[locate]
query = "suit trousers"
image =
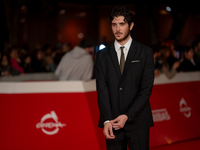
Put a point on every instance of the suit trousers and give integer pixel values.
(135, 139)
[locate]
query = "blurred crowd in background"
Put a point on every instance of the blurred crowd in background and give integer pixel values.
(168, 57)
(173, 27)
(20, 60)
(42, 59)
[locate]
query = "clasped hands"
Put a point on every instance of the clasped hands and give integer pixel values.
(117, 124)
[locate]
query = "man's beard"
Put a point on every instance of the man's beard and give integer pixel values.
(123, 38)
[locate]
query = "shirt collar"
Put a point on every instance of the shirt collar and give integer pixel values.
(127, 45)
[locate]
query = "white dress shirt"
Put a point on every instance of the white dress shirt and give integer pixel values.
(126, 48)
(118, 50)
(192, 61)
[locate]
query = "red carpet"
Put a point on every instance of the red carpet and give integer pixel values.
(184, 145)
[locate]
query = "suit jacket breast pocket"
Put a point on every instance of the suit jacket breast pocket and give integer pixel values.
(136, 65)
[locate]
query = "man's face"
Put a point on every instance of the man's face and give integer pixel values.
(120, 28)
(89, 49)
(189, 54)
(4, 61)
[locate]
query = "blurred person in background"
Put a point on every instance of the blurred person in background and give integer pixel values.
(27, 65)
(6, 69)
(65, 48)
(196, 49)
(15, 60)
(38, 62)
(23, 51)
(157, 60)
(50, 65)
(78, 63)
(57, 54)
(61, 49)
(169, 72)
(188, 63)
(174, 55)
(47, 49)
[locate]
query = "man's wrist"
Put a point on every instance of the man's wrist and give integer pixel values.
(106, 121)
(128, 119)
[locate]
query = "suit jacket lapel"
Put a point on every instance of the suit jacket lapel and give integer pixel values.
(131, 52)
(113, 55)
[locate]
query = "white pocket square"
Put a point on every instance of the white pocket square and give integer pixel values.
(135, 61)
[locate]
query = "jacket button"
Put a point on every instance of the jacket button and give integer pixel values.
(120, 89)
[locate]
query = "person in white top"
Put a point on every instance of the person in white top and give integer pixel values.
(78, 63)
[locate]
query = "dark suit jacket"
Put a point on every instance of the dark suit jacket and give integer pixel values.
(127, 93)
(187, 65)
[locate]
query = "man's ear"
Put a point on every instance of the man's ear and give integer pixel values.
(131, 26)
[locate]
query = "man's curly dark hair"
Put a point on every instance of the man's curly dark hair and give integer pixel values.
(121, 11)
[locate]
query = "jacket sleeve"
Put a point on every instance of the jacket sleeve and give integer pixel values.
(102, 92)
(145, 88)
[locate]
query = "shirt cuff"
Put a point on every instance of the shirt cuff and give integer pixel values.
(106, 121)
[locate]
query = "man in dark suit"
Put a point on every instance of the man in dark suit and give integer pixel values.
(188, 63)
(124, 77)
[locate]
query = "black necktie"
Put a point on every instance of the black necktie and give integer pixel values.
(122, 60)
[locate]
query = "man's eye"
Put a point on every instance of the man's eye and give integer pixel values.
(113, 24)
(122, 24)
